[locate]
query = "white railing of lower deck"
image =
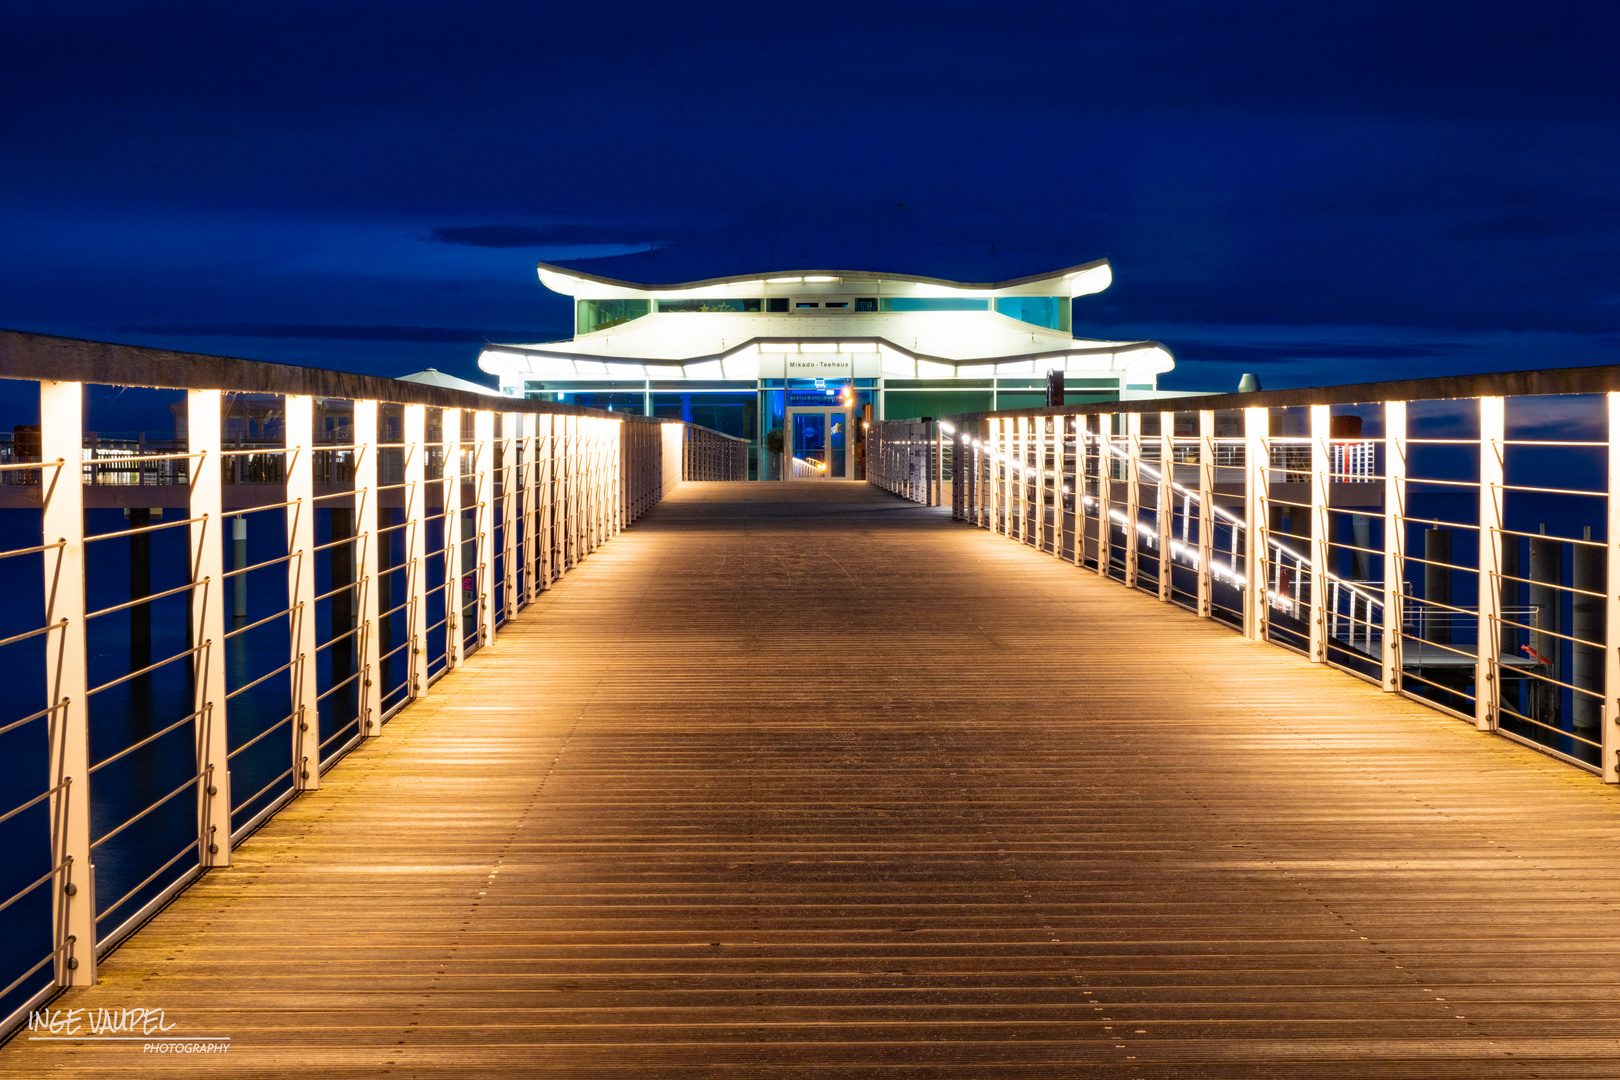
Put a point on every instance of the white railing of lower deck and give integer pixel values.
(407, 525)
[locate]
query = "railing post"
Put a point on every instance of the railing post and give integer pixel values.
(1167, 499)
(511, 440)
(207, 558)
(366, 503)
(484, 523)
(1394, 539)
(1206, 513)
(1321, 464)
(450, 478)
(1611, 627)
(1081, 439)
(415, 451)
(300, 516)
(545, 445)
(1257, 560)
(1105, 493)
(1487, 674)
(73, 894)
(1133, 493)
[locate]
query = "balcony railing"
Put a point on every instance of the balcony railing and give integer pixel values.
(290, 589)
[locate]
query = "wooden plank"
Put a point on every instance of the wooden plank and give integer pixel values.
(785, 780)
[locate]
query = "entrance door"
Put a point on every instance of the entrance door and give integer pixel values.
(820, 444)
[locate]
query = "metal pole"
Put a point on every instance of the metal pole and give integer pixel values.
(1257, 556)
(415, 450)
(450, 480)
(1167, 499)
(1133, 494)
(1610, 737)
(1105, 493)
(1206, 513)
(1394, 539)
(1321, 467)
(300, 517)
(484, 524)
(1487, 665)
(73, 898)
(367, 538)
(207, 559)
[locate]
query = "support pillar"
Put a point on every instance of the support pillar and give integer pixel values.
(1167, 500)
(1206, 513)
(1610, 736)
(450, 479)
(484, 524)
(1487, 665)
(1133, 495)
(415, 451)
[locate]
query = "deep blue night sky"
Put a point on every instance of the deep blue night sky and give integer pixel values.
(1319, 193)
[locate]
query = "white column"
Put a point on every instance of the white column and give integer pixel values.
(1167, 499)
(546, 505)
(73, 903)
(1611, 652)
(366, 503)
(1321, 463)
(1133, 493)
(207, 555)
(1394, 538)
(1487, 677)
(1206, 513)
(1105, 492)
(415, 451)
(450, 430)
(484, 524)
(528, 512)
(511, 424)
(300, 515)
(1256, 507)
(1080, 436)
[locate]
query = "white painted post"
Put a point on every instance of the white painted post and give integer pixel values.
(1133, 493)
(545, 441)
(1321, 464)
(1080, 451)
(1611, 628)
(1487, 674)
(1167, 499)
(1206, 513)
(207, 557)
(1256, 507)
(450, 430)
(300, 517)
(67, 686)
(484, 524)
(1105, 492)
(367, 538)
(511, 480)
(415, 451)
(1394, 539)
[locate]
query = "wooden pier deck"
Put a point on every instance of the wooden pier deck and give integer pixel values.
(806, 781)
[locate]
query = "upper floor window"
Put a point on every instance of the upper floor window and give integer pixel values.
(592, 315)
(721, 307)
(1052, 312)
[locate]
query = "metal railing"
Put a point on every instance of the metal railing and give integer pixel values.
(314, 583)
(1450, 540)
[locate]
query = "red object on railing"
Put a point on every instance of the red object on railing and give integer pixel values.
(1532, 654)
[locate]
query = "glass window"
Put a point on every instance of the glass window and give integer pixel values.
(904, 404)
(613, 402)
(806, 304)
(1052, 312)
(592, 315)
(866, 303)
(735, 413)
(709, 306)
(932, 303)
(776, 303)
